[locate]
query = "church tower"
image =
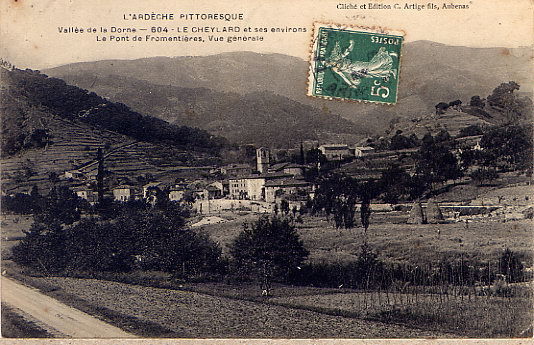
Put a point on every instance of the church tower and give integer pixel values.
(262, 160)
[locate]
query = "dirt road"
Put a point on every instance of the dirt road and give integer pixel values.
(58, 316)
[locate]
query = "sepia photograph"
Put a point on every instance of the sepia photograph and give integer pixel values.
(269, 170)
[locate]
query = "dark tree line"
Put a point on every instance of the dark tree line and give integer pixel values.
(369, 272)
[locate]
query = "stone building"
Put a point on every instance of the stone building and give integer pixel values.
(262, 160)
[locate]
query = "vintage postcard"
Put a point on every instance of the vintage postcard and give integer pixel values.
(260, 172)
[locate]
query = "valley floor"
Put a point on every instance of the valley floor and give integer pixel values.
(396, 241)
(157, 312)
(152, 304)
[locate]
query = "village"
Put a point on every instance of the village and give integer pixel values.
(240, 186)
(261, 186)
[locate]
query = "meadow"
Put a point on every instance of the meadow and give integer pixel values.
(396, 241)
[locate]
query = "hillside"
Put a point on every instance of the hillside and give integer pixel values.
(40, 137)
(452, 121)
(430, 73)
(262, 118)
(24, 92)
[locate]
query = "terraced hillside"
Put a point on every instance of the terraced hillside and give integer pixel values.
(135, 159)
(46, 131)
(71, 145)
(75, 146)
(372, 165)
(452, 121)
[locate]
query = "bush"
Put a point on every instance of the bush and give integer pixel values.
(43, 248)
(19, 203)
(470, 130)
(484, 175)
(267, 250)
(367, 272)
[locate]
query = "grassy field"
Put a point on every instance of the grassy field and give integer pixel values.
(157, 312)
(394, 240)
(224, 310)
(471, 317)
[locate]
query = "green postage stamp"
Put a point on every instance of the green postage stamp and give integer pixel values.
(355, 63)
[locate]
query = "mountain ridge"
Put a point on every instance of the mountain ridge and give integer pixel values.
(263, 118)
(430, 73)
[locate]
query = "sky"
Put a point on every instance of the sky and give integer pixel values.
(30, 37)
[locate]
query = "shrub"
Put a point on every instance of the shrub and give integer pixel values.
(43, 248)
(269, 249)
(367, 272)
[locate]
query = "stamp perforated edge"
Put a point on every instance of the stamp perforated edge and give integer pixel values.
(361, 28)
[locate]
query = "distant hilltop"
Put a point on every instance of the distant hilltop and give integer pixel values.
(430, 72)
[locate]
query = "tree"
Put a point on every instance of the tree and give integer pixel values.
(441, 107)
(367, 267)
(365, 215)
(337, 195)
(61, 206)
(267, 250)
(36, 199)
(367, 192)
(484, 175)
(470, 130)
(137, 237)
(284, 206)
(470, 157)
(38, 138)
(509, 147)
(417, 186)
(435, 163)
(53, 177)
(455, 104)
(428, 139)
(394, 182)
(415, 140)
(399, 141)
(515, 109)
(315, 156)
(100, 176)
(476, 101)
(511, 266)
(442, 136)
(502, 94)
(20, 203)
(42, 248)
